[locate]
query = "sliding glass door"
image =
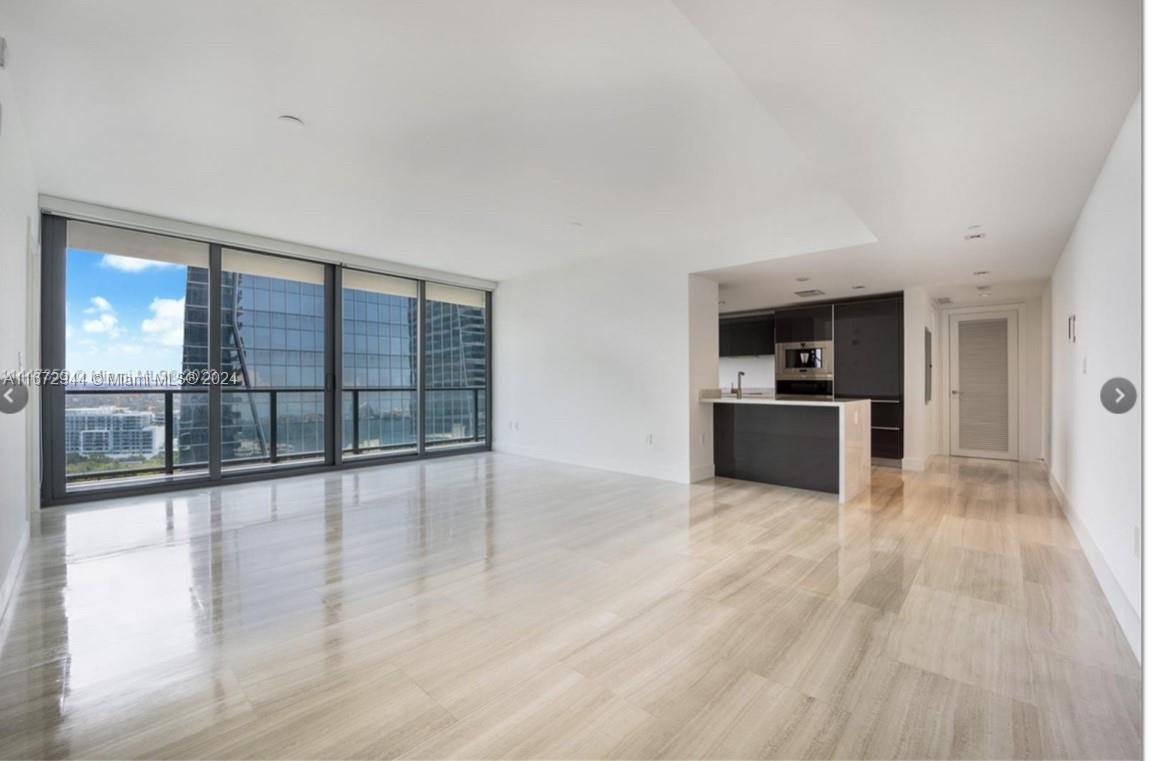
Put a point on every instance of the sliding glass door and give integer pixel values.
(188, 361)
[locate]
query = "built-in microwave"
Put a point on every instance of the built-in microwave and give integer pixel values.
(805, 360)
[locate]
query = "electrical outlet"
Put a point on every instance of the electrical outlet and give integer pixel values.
(650, 439)
(702, 439)
(1084, 365)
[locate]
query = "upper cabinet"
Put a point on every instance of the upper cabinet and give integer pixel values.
(806, 323)
(869, 348)
(746, 336)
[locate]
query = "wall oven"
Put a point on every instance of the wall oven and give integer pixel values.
(805, 360)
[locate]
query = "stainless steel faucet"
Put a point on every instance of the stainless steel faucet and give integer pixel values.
(738, 391)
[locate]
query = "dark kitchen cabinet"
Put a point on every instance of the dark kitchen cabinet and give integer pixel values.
(746, 336)
(811, 323)
(869, 363)
(869, 349)
(887, 444)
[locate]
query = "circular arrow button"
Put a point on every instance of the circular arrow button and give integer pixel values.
(1118, 395)
(13, 397)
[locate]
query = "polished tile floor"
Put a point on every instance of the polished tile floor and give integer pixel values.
(493, 606)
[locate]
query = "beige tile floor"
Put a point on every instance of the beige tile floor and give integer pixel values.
(493, 606)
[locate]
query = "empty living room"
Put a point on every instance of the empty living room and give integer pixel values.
(577, 379)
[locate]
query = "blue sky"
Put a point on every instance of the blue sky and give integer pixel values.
(124, 314)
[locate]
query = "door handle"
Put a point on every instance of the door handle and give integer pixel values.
(955, 392)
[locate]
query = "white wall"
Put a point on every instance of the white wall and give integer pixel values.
(591, 367)
(703, 373)
(1047, 372)
(19, 230)
(760, 372)
(1032, 347)
(1096, 456)
(916, 413)
(932, 411)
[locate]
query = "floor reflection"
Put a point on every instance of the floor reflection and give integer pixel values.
(415, 609)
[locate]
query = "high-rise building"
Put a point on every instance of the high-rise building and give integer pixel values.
(110, 431)
(379, 369)
(456, 367)
(193, 408)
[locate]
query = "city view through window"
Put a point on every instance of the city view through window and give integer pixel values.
(138, 306)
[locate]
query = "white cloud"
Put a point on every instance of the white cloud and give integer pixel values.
(101, 305)
(105, 322)
(104, 318)
(168, 321)
(131, 263)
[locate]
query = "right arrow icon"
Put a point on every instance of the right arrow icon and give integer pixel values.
(1118, 395)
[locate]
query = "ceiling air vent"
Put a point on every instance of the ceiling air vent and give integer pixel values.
(809, 294)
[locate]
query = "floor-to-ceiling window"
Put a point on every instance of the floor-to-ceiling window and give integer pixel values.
(380, 315)
(190, 361)
(273, 329)
(134, 318)
(456, 366)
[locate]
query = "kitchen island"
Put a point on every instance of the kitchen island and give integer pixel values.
(807, 443)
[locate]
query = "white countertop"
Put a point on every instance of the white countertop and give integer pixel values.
(709, 397)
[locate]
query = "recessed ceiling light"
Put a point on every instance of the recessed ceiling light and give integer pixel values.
(985, 294)
(978, 273)
(291, 120)
(858, 287)
(802, 279)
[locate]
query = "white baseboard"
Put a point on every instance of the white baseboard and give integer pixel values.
(914, 464)
(1124, 611)
(676, 475)
(8, 586)
(701, 472)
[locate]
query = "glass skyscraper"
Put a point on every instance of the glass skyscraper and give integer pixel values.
(456, 370)
(379, 368)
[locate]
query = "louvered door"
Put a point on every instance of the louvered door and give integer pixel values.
(984, 404)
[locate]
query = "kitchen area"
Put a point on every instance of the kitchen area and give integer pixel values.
(810, 395)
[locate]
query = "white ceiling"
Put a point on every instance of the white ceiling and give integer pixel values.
(470, 136)
(466, 136)
(929, 117)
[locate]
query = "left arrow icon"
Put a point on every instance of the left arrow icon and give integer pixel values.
(13, 398)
